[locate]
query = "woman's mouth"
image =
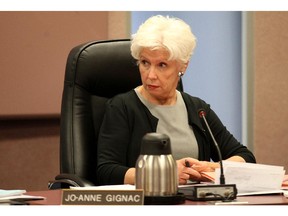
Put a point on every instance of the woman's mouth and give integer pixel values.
(152, 87)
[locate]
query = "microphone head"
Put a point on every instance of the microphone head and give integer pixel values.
(201, 113)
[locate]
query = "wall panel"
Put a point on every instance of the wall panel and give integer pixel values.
(34, 48)
(271, 87)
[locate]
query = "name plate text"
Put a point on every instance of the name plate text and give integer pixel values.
(102, 197)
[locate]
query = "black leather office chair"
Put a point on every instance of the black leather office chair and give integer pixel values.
(95, 72)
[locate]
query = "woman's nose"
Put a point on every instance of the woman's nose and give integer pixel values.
(152, 74)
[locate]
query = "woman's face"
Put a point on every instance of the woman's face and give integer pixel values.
(159, 76)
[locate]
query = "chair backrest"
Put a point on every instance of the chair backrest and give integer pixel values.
(95, 72)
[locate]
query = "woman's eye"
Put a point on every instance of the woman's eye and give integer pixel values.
(144, 62)
(163, 65)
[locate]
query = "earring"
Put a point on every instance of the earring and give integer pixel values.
(180, 74)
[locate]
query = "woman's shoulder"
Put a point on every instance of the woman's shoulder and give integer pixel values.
(197, 101)
(194, 104)
(125, 97)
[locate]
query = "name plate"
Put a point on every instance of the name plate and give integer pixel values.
(102, 197)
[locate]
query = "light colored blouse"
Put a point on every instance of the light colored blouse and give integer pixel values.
(173, 121)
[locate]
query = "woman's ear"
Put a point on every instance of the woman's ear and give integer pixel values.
(184, 67)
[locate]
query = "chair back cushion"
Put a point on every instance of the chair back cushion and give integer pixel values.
(95, 71)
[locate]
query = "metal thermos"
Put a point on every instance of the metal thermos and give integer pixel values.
(156, 169)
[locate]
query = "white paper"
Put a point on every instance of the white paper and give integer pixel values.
(250, 177)
(262, 192)
(6, 193)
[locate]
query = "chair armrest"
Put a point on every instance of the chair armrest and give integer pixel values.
(65, 180)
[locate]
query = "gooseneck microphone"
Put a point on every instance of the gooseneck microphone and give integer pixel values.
(210, 192)
(202, 115)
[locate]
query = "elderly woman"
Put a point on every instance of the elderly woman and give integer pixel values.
(162, 47)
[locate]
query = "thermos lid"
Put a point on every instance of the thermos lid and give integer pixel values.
(155, 144)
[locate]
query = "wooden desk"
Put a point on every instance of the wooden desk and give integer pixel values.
(53, 197)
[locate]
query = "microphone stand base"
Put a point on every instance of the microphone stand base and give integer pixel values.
(226, 192)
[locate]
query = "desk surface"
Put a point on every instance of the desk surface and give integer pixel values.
(53, 197)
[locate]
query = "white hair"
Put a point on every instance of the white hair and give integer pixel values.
(172, 34)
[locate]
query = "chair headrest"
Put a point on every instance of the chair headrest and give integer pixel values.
(106, 68)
